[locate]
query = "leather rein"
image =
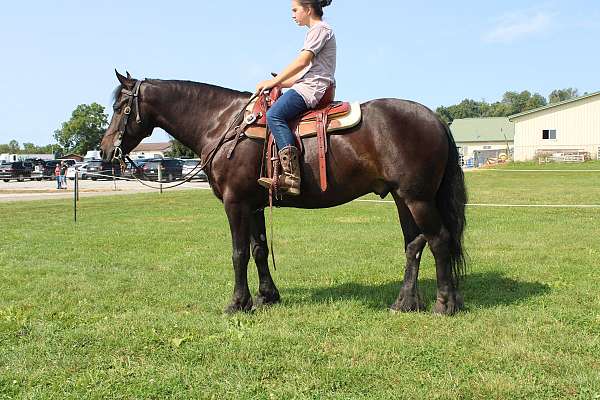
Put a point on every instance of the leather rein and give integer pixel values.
(132, 98)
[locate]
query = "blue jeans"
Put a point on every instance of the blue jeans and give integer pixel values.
(287, 108)
(58, 182)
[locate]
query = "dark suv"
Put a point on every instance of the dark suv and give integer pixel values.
(97, 169)
(171, 169)
(18, 170)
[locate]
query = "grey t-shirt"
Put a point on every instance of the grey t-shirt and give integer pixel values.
(320, 40)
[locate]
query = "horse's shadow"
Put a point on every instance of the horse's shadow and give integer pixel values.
(480, 290)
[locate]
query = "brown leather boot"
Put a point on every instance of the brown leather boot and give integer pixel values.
(289, 180)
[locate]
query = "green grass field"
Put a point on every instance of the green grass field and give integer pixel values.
(127, 303)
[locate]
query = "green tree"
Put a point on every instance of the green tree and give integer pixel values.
(30, 148)
(499, 109)
(84, 130)
(512, 103)
(50, 149)
(559, 95)
(465, 109)
(13, 147)
(179, 150)
(519, 102)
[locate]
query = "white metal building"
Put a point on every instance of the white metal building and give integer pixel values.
(568, 127)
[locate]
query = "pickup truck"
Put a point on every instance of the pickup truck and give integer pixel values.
(18, 170)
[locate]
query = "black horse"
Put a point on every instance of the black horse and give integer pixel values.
(400, 148)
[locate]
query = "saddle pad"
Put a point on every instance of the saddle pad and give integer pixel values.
(336, 124)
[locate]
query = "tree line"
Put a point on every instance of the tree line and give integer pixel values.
(511, 103)
(88, 122)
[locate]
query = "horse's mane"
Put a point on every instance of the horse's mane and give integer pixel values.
(190, 85)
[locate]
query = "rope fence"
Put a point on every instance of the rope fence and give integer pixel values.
(501, 205)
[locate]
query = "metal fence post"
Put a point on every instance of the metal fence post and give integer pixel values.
(75, 197)
(76, 186)
(160, 177)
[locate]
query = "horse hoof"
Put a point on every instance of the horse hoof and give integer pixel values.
(267, 300)
(236, 307)
(450, 306)
(408, 303)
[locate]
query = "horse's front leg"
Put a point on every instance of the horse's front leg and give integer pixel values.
(238, 215)
(267, 291)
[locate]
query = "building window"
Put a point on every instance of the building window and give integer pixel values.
(549, 134)
(487, 147)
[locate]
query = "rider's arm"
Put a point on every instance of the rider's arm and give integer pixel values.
(298, 65)
(288, 83)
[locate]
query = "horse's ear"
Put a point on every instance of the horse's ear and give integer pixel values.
(121, 78)
(128, 76)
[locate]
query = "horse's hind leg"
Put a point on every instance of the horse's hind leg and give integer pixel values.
(409, 298)
(428, 218)
(267, 292)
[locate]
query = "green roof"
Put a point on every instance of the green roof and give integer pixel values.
(496, 129)
(515, 116)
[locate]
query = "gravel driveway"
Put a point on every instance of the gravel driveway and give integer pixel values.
(44, 190)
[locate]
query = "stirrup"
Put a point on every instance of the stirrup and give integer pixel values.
(267, 183)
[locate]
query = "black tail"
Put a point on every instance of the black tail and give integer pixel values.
(451, 200)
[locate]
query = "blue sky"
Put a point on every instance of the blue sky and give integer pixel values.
(58, 54)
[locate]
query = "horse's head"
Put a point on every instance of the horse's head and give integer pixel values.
(127, 127)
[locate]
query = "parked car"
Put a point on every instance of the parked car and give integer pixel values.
(38, 171)
(190, 168)
(98, 169)
(134, 171)
(76, 169)
(171, 169)
(83, 170)
(18, 170)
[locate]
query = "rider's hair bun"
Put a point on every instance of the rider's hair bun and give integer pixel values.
(325, 3)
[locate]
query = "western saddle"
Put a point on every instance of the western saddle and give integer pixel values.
(327, 117)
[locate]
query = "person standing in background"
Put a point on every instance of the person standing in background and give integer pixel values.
(63, 175)
(57, 176)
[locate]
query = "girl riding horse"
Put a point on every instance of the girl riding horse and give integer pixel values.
(309, 76)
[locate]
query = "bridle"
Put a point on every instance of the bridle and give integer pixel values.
(132, 98)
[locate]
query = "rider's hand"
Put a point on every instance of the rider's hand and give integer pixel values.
(265, 85)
